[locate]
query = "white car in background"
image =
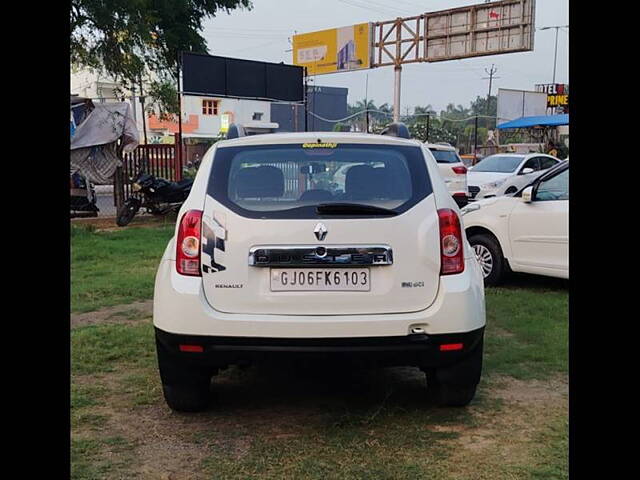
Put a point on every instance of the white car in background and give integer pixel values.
(452, 169)
(527, 232)
(506, 173)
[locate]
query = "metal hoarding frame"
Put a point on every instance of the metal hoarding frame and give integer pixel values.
(479, 22)
(521, 103)
(219, 76)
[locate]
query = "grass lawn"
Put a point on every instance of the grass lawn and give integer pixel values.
(115, 267)
(296, 421)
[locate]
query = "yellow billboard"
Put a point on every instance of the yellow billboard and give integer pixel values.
(334, 50)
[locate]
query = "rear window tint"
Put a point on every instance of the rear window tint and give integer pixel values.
(445, 156)
(283, 181)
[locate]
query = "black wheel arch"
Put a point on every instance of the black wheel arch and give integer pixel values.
(477, 230)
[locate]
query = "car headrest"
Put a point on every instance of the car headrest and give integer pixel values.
(316, 194)
(363, 181)
(259, 182)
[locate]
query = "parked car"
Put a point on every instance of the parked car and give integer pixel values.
(373, 269)
(453, 171)
(505, 173)
(527, 232)
(469, 159)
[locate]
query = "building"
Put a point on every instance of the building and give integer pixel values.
(206, 118)
(101, 88)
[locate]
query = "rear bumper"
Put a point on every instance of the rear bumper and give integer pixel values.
(418, 349)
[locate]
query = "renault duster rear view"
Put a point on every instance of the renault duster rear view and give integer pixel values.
(336, 246)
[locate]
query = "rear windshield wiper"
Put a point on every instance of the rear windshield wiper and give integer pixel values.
(352, 209)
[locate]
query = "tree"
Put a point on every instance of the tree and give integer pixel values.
(480, 107)
(130, 40)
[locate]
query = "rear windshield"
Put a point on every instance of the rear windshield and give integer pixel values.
(445, 156)
(290, 181)
(498, 163)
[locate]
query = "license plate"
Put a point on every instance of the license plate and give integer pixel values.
(320, 279)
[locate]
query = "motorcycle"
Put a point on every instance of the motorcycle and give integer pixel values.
(82, 197)
(159, 197)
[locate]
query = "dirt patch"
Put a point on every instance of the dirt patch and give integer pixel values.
(108, 224)
(506, 436)
(123, 314)
(531, 392)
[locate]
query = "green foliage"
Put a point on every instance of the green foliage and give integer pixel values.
(537, 320)
(133, 39)
(455, 124)
(106, 348)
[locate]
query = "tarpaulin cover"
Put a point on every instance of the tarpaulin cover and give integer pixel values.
(537, 121)
(94, 150)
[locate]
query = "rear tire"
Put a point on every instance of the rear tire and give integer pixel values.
(127, 212)
(186, 387)
(444, 395)
(187, 397)
(489, 255)
(455, 385)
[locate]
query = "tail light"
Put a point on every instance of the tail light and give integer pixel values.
(188, 244)
(451, 243)
(459, 170)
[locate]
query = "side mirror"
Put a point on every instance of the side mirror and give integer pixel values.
(527, 194)
(527, 170)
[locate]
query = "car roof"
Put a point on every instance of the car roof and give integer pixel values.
(439, 146)
(508, 155)
(316, 137)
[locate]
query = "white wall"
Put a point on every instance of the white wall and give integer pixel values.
(209, 125)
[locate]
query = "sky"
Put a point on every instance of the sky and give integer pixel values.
(264, 33)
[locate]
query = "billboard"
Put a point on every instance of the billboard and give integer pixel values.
(514, 104)
(486, 29)
(334, 50)
(557, 95)
(215, 76)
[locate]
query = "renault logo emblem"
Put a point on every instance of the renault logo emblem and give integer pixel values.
(320, 231)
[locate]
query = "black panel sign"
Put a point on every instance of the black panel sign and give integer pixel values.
(231, 77)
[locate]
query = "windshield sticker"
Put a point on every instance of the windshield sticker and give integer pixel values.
(319, 145)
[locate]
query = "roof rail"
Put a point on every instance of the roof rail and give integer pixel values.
(235, 131)
(396, 129)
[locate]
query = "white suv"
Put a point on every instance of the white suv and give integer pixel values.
(274, 256)
(453, 171)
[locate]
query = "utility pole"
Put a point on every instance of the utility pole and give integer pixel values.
(427, 138)
(396, 91)
(555, 55)
(306, 100)
(366, 101)
(179, 142)
(491, 74)
(133, 102)
(475, 139)
(144, 114)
